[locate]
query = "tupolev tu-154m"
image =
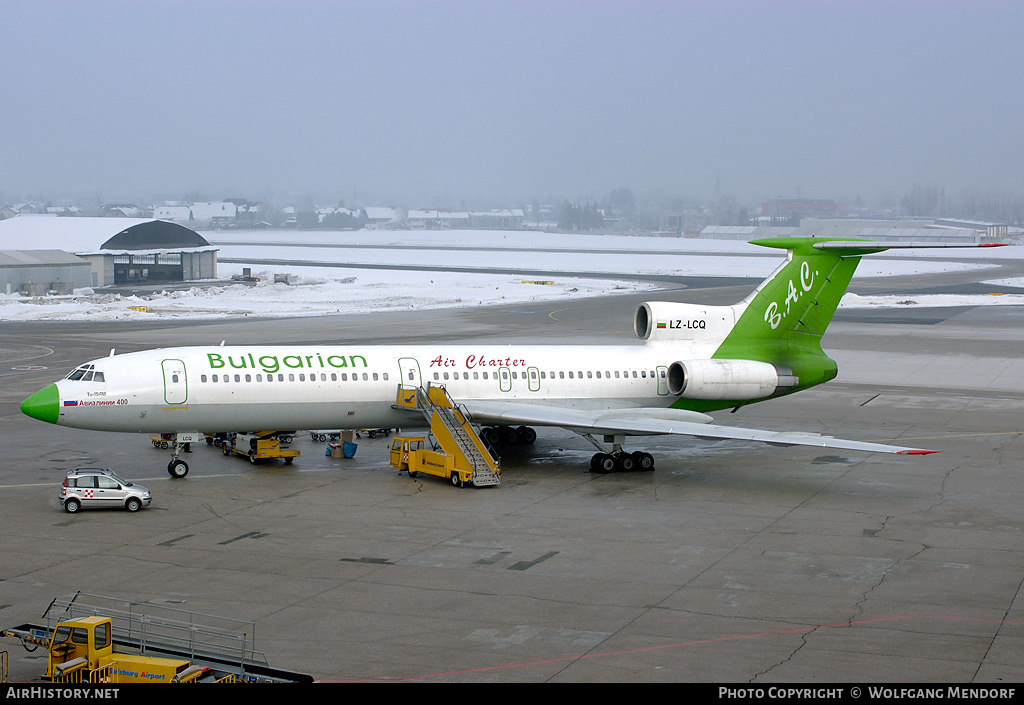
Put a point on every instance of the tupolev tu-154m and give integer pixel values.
(696, 359)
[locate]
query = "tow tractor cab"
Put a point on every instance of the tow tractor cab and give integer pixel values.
(85, 647)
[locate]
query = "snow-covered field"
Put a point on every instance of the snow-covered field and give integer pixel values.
(322, 290)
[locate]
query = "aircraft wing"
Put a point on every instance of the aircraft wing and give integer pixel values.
(655, 421)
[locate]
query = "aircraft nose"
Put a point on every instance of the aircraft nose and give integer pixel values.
(43, 405)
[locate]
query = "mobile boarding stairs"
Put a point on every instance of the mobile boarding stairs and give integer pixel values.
(454, 430)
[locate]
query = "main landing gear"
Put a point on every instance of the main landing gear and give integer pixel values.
(618, 460)
(621, 462)
(506, 435)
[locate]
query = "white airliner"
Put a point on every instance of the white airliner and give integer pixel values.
(696, 359)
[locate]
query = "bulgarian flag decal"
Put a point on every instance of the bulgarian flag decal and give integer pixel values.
(661, 324)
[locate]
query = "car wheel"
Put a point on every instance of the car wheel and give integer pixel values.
(72, 506)
(133, 505)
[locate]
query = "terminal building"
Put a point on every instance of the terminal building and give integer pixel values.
(117, 251)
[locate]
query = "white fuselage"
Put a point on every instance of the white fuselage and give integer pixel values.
(336, 387)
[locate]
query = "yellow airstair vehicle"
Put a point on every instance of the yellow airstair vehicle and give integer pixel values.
(460, 455)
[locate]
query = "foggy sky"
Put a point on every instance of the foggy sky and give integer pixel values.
(438, 103)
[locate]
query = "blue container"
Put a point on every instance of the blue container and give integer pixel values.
(349, 449)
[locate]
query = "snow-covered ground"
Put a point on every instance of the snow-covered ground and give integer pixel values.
(322, 290)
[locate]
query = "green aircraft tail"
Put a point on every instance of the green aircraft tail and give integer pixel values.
(783, 320)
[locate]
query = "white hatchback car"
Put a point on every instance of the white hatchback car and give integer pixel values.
(95, 487)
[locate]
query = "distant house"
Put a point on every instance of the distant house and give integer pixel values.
(215, 213)
(438, 220)
(379, 218)
(176, 214)
(121, 210)
(63, 210)
(504, 219)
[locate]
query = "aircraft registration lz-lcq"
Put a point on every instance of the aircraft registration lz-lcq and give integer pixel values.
(696, 359)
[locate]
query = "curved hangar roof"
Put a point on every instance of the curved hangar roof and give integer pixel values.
(91, 235)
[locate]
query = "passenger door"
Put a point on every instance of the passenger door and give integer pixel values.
(175, 384)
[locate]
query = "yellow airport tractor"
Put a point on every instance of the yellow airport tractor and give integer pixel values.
(95, 639)
(82, 651)
(262, 445)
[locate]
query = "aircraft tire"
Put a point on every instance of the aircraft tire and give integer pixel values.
(627, 463)
(177, 469)
(526, 435)
(644, 461)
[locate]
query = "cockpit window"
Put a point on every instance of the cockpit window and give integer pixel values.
(85, 373)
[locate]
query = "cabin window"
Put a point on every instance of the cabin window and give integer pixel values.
(238, 378)
(101, 635)
(485, 375)
(174, 378)
(374, 376)
(365, 377)
(643, 373)
(202, 378)
(302, 378)
(616, 374)
(88, 376)
(437, 376)
(270, 378)
(590, 375)
(248, 378)
(215, 378)
(476, 375)
(334, 376)
(98, 377)
(663, 374)
(412, 376)
(570, 375)
(446, 375)
(323, 377)
(226, 379)
(259, 378)
(561, 375)
(385, 376)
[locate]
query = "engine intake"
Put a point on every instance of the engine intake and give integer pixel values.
(734, 380)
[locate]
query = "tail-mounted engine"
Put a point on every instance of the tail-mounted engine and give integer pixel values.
(734, 380)
(665, 320)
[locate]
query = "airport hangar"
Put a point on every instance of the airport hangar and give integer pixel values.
(72, 252)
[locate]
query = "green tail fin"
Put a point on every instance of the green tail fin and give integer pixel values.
(783, 320)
